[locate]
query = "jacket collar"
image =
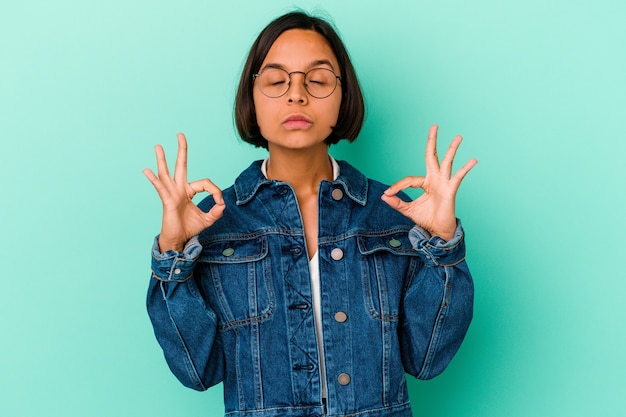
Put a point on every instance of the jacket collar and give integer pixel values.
(250, 181)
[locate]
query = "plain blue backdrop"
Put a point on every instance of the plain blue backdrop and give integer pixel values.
(537, 89)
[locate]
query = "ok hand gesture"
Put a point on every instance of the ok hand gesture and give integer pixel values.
(433, 210)
(182, 219)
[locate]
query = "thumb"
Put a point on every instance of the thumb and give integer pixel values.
(395, 203)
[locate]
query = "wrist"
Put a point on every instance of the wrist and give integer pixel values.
(166, 245)
(445, 235)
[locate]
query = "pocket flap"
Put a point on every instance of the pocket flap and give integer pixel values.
(396, 243)
(234, 250)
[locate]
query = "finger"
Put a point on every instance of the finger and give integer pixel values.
(207, 186)
(162, 170)
(403, 184)
(215, 213)
(448, 158)
(462, 172)
(432, 160)
(217, 196)
(150, 175)
(158, 185)
(180, 171)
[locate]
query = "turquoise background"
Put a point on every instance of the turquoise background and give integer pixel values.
(537, 88)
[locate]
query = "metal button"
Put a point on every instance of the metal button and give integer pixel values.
(177, 271)
(344, 379)
(337, 194)
(340, 317)
(228, 252)
(336, 254)
(395, 243)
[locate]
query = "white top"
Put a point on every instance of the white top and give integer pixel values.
(314, 268)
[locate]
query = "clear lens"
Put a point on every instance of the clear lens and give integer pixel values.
(273, 82)
(319, 82)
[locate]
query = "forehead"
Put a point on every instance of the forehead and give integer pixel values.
(298, 49)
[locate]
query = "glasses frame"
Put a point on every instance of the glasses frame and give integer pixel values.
(337, 79)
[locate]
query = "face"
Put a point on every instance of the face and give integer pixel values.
(297, 120)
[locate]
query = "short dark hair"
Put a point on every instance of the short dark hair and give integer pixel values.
(352, 108)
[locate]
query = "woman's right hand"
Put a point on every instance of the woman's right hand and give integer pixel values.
(182, 219)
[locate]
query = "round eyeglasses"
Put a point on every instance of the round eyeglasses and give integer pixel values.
(275, 82)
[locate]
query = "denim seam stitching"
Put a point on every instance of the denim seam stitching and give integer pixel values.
(437, 330)
(189, 366)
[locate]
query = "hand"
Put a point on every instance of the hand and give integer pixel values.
(433, 210)
(182, 219)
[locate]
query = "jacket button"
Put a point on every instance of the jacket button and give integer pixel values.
(228, 252)
(395, 243)
(341, 317)
(336, 254)
(344, 379)
(337, 194)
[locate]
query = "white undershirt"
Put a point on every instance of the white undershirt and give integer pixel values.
(314, 269)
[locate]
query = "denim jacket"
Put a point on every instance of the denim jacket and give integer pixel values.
(236, 305)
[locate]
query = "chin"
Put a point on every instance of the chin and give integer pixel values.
(298, 140)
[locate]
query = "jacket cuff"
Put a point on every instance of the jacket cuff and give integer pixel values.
(436, 251)
(172, 265)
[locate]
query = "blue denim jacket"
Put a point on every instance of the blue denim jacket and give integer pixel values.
(236, 305)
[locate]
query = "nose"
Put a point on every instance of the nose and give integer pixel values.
(297, 92)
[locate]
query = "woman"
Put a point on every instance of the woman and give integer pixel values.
(305, 287)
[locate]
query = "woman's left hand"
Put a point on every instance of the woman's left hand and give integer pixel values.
(433, 210)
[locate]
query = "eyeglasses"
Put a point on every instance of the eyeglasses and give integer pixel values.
(275, 82)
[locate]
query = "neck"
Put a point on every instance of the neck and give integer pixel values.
(303, 170)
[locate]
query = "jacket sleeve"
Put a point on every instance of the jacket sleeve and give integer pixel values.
(437, 305)
(185, 327)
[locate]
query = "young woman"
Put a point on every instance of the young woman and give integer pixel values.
(306, 288)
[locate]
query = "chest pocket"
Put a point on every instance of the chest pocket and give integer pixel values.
(386, 262)
(236, 280)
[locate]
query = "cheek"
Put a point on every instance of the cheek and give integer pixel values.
(262, 111)
(336, 107)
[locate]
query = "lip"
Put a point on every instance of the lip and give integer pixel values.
(297, 121)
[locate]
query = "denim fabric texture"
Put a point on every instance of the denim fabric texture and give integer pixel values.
(236, 305)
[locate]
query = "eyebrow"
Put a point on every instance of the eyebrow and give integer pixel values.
(313, 64)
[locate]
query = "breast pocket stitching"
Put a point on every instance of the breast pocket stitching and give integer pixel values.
(240, 280)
